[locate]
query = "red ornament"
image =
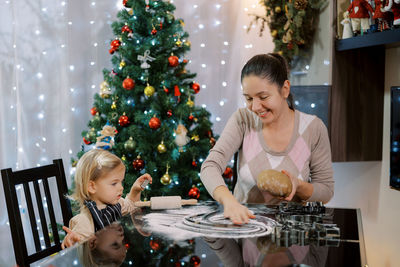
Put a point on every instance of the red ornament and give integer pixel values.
(290, 46)
(123, 120)
(93, 111)
(212, 141)
(111, 51)
(125, 3)
(115, 44)
(191, 117)
(166, 90)
(127, 245)
(177, 91)
(87, 142)
(173, 61)
(128, 84)
(196, 87)
(154, 123)
(185, 61)
(169, 113)
(227, 173)
(138, 164)
(194, 164)
(195, 261)
(194, 192)
(154, 244)
(153, 31)
(125, 28)
(160, 25)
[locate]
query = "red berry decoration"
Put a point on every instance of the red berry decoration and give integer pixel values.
(194, 163)
(125, 28)
(154, 244)
(138, 164)
(87, 142)
(123, 120)
(173, 61)
(191, 117)
(196, 87)
(154, 123)
(115, 44)
(195, 261)
(128, 84)
(93, 111)
(169, 113)
(194, 192)
(228, 173)
(153, 31)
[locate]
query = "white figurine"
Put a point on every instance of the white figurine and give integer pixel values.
(347, 32)
(181, 138)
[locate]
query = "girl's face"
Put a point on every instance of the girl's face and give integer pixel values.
(107, 189)
(264, 99)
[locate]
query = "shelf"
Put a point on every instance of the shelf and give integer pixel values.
(388, 38)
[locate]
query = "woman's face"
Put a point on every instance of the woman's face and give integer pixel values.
(264, 98)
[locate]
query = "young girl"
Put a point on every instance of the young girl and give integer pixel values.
(98, 189)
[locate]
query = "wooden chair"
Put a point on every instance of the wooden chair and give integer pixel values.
(21, 180)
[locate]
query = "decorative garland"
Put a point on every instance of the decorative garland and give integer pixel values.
(292, 24)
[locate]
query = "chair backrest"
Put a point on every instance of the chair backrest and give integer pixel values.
(38, 178)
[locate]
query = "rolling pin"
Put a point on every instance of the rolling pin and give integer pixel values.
(167, 202)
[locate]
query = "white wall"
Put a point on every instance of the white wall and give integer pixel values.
(365, 185)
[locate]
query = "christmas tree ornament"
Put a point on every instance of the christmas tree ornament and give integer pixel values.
(181, 138)
(154, 244)
(126, 3)
(87, 142)
(123, 120)
(185, 61)
(195, 87)
(130, 144)
(278, 9)
(166, 90)
(274, 33)
(115, 44)
(212, 142)
(154, 123)
(161, 147)
(194, 163)
(126, 28)
(190, 103)
(177, 91)
(161, 25)
(138, 164)
(228, 173)
(130, 12)
(182, 23)
(173, 61)
(105, 90)
(149, 90)
(153, 31)
(194, 192)
(195, 261)
(290, 46)
(93, 111)
(106, 139)
(123, 158)
(187, 43)
(146, 57)
(166, 178)
(122, 64)
(195, 138)
(91, 135)
(178, 43)
(191, 117)
(169, 113)
(128, 83)
(113, 105)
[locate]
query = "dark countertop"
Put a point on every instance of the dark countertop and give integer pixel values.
(199, 235)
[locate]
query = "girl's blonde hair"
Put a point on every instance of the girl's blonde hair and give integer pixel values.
(90, 167)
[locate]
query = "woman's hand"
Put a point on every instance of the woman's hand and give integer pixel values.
(295, 183)
(70, 239)
(300, 188)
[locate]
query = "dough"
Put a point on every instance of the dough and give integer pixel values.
(277, 183)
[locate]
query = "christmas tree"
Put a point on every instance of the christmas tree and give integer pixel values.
(145, 111)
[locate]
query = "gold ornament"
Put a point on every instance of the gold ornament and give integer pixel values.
(74, 163)
(166, 179)
(162, 148)
(182, 23)
(278, 9)
(195, 138)
(280, 52)
(187, 43)
(130, 12)
(130, 144)
(274, 33)
(178, 43)
(190, 103)
(122, 64)
(113, 105)
(105, 90)
(123, 158)
(300, 4)
(149, 90)
(105, 85)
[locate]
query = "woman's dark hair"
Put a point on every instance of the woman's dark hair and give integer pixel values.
(272, 67)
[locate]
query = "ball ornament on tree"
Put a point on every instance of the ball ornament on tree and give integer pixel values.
(114, 105)
(166, 90)
(87, 142)
(195, 261)
(123, 120)
(130, 144)
(278, 9)
(115, 44)
(187, 43)
(196, 87)
(125, 28)
(149, 90)
(128, 84)
(154, 123)
(194, 192)
(191, 117)
(126, 3)
(228, 173)
(274, 33)
(190, 103)
(93, 111)
(122, 64)
(161, 147)
(153, 31)
(173, 61)
(105, 90)
(169, 113)
(154, 244)
(166, 178)
(194, 163)
(138, 164)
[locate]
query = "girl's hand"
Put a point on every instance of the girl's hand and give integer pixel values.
(295, 184)
(137, 186)
(238, 213)
(70, 239)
